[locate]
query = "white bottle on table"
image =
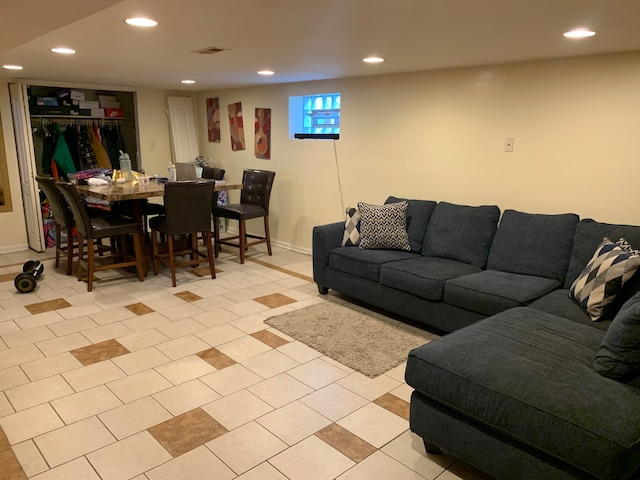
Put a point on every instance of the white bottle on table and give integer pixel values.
(171, 172)
(125, 166)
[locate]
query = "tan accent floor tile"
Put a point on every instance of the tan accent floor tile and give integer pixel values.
(99, 352)
(7, 277)
(394, 404)
(47, 306)
(139, 308)
(203, 271)
(188, 296)
(271, 339)
(275, 300)
(345, 442)
(187, 431)
(4, 443)
(281, 269)
(215, 357)
(11, 469)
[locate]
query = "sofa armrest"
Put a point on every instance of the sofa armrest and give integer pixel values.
(325, 239)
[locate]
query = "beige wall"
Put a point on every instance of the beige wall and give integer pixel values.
(440, 135)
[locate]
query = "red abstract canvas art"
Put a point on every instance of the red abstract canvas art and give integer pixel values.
(213, 119)
(236, 126)
(263, 133)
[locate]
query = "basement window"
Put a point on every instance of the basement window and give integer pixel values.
(315, 116)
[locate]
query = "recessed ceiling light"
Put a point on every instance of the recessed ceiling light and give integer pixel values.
(12, 67)
(188, 81)
(373, 60)
(63, 50)
(265, 72)
(141, 22)
(579, 33)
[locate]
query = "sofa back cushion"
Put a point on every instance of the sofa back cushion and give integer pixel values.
(460, 232)
(589, 234)
(533, 244)
(418, 215)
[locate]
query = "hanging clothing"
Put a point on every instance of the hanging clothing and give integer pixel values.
(86, 149)
(61, 154)
(71, 137)
(102, 158)
(116, 143)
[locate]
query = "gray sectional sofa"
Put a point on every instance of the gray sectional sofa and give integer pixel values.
(514, 392)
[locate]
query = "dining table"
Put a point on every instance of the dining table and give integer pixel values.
(137, 194)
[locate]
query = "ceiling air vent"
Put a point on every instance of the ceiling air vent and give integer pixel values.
(210, 50)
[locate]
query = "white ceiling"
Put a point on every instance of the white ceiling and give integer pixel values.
(299, 39)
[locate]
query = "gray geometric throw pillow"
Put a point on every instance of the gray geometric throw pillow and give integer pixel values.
(384, 226)
(351, 236)
(602, 279)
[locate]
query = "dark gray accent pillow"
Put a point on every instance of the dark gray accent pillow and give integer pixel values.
(461, 232)
(418, 215)
(533, 244)
(618, 357)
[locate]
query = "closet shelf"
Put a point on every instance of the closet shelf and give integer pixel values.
(79, 117)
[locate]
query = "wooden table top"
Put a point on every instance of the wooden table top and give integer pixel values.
(116, 192)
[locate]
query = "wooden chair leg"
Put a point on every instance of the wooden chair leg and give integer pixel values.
(90, 265)
(212, 267)
(154, 247)
(138, 246)
(267, 234)
(172, 260)
(58, 244)
(80, 255)
(216, 235)
(242, 240)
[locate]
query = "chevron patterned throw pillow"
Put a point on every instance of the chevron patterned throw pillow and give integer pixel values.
(384, 226)
(602, 279)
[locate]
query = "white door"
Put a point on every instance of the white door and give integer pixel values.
(27, 166)
(184, 140)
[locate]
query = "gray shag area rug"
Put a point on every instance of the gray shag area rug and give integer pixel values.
(365, 341)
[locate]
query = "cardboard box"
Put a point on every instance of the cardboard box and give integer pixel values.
(49, 101)
(49, 110)
(88, 104)
(107, 98)
(109, 104)
(73, 94)
(97, 112)
(113, 113)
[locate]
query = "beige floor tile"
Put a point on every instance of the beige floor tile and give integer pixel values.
(17, 356)
(107, 332)
(237, 409)
(317, 373)
(404, 392)
(185, 369)
(134, 417)
(198, 464)
(35, 393)
(144, 339)
(79, 310)
(311, 459)
(299, 351)
(63, 344)
(21, 426)
(25, 337)
(270, 363)
(231, 379)
(251, 324)
(232, 449)
(70, 442)
(279, 390)
(12, 377)
(243, 348)
(85, 404)
(186, 396)
(187, 431)
(74, 325)
(183, 347)
(334, 401)
(79, 468)
(50, 366)
(369, 388)
(214, 314)
(220, 334)
(30, 458)
(9, 326)
(249, 307)
(5, 406)
(93, 375)
(180, 328)
(139, 385)
(293, 422)
(380, 467)
(264, 471)
(144, 322)
(374, 424)
(129, 457)
(141, 360)
(408, 449)
(180, 311)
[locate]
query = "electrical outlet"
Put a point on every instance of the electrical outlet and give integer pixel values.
(508, 144)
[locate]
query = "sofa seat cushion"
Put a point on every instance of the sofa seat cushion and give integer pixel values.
(528, 374)
(424, 276)
(461, 232)
(533, 244)
(559, 303)
(490, 292)
(364, 263)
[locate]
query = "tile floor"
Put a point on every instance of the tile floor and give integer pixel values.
(147, 382)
